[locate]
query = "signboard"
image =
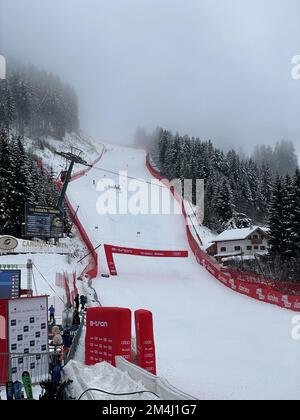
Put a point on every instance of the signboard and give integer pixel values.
(10, 284)
(3, 343)
(8, 243)
(108, 334)
(11, 245)
(110, 250)
(43, 222)
(145, 340)
(28, 335)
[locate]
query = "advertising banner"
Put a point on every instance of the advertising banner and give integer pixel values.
(111, 249)
(108, 334)
(28, 335)
(145, 340)
(10, 245)
(43, 222)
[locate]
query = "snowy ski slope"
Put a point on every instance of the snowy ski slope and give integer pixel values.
(211, 342)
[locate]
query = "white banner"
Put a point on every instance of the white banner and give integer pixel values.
(11, 245)
(28, 336)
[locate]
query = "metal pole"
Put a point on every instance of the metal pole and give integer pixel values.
(60, 201)
(29, 275)
(74, 218)
(83, 258)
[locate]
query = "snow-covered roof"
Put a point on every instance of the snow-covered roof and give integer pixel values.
(237, 234)
(229, 254)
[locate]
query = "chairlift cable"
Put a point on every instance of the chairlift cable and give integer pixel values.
(53, 290)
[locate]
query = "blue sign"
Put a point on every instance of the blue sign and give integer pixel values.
(10, 284)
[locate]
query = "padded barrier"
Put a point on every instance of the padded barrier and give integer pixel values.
(145, 345)
(159, 386)
(108, 334)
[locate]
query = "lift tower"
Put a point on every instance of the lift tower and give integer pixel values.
(73, 157)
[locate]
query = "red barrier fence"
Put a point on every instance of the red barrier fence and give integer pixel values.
(79, 174)
(92, 269)
(108, 334)
(59, 280)
(67, 289)
(110, 250)
(284, 287)
(76, 293)
(62, 280)
(249, 284)
(145, 344)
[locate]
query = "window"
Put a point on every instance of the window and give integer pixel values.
(262, 248)
(256, 248)
(237, 248)
(255, 237)
(223, 249)
(249, 248)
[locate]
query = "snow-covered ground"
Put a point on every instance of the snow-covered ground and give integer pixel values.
(44, 150)
(44, 273)
(103, 377)
(211, 342)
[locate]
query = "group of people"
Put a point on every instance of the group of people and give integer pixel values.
(78, 301)
(64, 338)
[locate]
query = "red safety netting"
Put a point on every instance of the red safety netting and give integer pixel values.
(92, 268)
(85, 171)
(249, 284)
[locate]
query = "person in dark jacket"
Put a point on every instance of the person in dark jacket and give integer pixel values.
(52, 314)
(77, 303)
(76, 318)
(67, 342)
(83, 302)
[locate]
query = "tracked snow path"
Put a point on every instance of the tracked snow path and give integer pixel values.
(211, 342)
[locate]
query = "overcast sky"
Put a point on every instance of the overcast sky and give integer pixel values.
(218, 69)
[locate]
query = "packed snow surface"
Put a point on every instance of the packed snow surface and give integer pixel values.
(103, 377)
(211, 342)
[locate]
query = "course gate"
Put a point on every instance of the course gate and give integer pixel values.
(110, 250)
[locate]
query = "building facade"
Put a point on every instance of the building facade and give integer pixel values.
(241, 242)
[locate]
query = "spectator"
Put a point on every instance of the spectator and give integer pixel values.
(76, 318)
(82, 302)
(67, 342)
(57, 340)
(52, 314)
(76, 301)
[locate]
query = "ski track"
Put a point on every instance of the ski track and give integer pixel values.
(211, 342)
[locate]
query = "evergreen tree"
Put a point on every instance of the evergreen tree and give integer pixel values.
(224, 206)
(277, 223)
(294, 216)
